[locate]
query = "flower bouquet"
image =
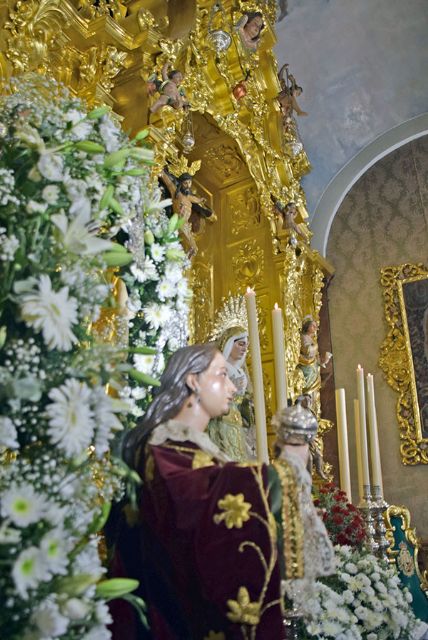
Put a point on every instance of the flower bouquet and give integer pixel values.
(76, 213)
(364, 600)
(342, 520)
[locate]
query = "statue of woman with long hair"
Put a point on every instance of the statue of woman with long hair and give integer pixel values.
(204, 546)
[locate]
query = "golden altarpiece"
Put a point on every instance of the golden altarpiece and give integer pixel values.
(243, 161)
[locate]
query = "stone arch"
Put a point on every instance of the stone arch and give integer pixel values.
(342, 182)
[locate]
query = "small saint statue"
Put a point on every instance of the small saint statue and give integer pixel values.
(309, 359)
(187, 205)
(170, 89)
(287, 216)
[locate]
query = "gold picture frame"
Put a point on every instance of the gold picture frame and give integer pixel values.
(404, 358)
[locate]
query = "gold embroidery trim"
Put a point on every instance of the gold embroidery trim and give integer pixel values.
(292, 525)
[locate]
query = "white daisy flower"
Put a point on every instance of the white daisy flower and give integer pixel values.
(71, 423)
(51, 312)
(28, 571)
(144, 363)
(50, 193)
(8, 434)
(165, 289)
(51, 167)
(54, 549)
(147, 272)
(157, 251)
(157, 315)
(48, 619)
(22, 505)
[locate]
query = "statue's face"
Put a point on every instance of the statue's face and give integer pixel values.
(186, 185)
(177, 78)
(239, 349)
(216, 390)
(254, 26)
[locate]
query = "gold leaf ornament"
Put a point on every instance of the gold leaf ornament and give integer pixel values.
(235, 511)
(242, 610)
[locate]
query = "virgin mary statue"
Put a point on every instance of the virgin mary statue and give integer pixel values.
(234, 433)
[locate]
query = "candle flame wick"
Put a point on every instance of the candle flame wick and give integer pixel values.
(276, 306)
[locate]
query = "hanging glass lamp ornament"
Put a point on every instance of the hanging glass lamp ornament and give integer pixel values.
(188, 137)
(219, 39)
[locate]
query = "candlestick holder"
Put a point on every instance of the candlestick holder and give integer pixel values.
(380, 506)
(367, 508)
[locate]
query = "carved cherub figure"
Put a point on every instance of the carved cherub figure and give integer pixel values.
(187, 205)
(288, 214)
(289, 93)
(172, 93)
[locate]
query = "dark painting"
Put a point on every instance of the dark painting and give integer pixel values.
(415, 296)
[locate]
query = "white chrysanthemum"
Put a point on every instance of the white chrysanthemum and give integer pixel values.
(51, 167)
(97, 633)
(22, 505)
(50, 193)
(147, 272)
(165, 289)
(71, 423)
(74, 115)
(76, 237)
(8, 433)
(48, 619)
(157, 251)
(107, 423)
(51, 312)
(54, 548)
(144, 363)
(28, 570)
(157, 315)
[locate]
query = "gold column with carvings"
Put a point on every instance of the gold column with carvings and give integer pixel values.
(106, 50)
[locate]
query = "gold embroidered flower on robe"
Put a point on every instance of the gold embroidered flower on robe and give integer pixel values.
(236, 511)
(242, 610)
(201, 459)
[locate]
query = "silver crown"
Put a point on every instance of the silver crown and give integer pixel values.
(295, 425)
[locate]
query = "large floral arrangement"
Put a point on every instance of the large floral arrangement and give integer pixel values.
(364, 600)
(70, 183)
(342, 520)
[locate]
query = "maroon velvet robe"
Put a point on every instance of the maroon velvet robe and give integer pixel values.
(199, 559)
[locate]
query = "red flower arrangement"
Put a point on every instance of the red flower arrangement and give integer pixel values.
(342, 520)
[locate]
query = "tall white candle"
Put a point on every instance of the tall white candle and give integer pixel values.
(358, 449)
(374, 437)
(279, 358)
(363, 427)
(258, 390)
(342, 441)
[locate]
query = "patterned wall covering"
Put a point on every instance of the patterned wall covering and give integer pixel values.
(382, 221)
